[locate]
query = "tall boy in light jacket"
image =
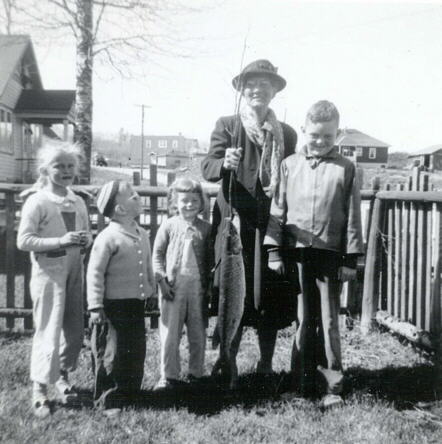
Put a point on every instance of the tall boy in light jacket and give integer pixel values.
(318, 209)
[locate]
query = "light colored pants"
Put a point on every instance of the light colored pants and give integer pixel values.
(57, 295)
(186, 308)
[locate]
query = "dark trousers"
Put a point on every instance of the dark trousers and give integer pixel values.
(316, 355)
(118, 352)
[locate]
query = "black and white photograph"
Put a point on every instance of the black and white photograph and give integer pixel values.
(220, 221)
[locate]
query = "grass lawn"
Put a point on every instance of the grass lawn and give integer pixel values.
(392, 396)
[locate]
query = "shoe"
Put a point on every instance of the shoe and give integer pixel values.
(40, 402)
(164, 384)
(42, 409)
(292, 397)
(331, 401)
(66, 393)
(194, 379)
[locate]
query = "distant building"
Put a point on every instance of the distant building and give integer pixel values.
(430, 157)
(167, 151)
(27, 111)
(363, 149)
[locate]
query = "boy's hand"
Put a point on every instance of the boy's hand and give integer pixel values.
(166, 290)
(277, 266)
(97, 316)
(346, 274)
(151, 303)
(232, 158)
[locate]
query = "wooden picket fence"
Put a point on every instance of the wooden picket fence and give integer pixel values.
(399, 283)
(16, 264)
(402, 268)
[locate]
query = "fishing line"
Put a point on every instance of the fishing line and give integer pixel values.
(236, 131)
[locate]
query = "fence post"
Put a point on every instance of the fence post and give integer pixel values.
(398, 255)
(136, 178)
(370, 295)
(10, 255)
(153, 216)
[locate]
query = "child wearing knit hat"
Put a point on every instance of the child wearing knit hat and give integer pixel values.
(119, 279)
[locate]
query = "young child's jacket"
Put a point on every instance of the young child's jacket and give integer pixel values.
(169, 244)
(120, 266)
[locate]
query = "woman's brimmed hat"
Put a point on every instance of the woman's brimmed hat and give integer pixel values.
(261, 68)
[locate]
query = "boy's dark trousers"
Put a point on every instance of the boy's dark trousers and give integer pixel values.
(316, 354)
(118, 351)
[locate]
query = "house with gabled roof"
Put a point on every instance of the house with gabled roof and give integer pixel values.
(28, 112)
(430, 158)
(363, 149)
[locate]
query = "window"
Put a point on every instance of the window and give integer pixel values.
(359, 151)
(174, 143)
(372, 153)
(6, 144)
(148, 143)
(162, 143)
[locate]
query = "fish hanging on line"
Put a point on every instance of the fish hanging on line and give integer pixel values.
(232, 292)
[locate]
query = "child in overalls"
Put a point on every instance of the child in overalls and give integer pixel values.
(54, 227)
(119, 280)
(182, 258)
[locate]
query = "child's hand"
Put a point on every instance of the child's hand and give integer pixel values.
(346, 274)
(70, 238)
(85, 238)
(97, 316)
(166, 290)
(277, 266)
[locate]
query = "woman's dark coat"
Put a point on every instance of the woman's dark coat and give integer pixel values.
(270, 299)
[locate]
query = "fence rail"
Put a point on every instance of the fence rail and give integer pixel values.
(402, 270)
(15, 263)
(400, 279)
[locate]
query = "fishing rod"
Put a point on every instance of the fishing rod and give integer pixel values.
(236, 137)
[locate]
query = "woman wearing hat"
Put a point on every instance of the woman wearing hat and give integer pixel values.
(252, 145)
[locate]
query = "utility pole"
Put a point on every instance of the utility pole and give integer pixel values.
(142, 106)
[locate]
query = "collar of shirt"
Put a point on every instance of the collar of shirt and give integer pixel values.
(66, 200)
(314, 161)
(115, 226)
(188, 225)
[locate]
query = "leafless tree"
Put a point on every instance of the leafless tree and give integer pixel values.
(7, 15)
(116, 33)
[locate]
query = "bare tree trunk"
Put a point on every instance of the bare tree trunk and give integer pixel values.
(84, 105)
(7, 6)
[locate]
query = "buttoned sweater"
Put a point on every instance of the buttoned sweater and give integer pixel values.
(120, 266)
(169, 245)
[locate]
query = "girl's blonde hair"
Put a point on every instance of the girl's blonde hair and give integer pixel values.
(184, 185)
(48, 152)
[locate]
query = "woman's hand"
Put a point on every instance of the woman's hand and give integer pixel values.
(71, 238)
(97, 316)
(232, 158)
(166, 290)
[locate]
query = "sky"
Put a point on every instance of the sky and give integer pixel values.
(379, 62)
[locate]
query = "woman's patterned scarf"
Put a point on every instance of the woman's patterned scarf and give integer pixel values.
(269, 137)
